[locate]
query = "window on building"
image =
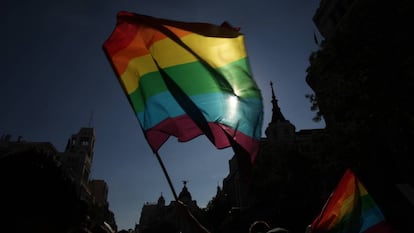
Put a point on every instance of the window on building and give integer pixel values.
(84, 141)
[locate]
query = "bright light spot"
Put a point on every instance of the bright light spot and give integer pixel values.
(233, 103)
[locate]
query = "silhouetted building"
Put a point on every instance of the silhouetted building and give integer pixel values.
(279, 130)
(99, 190)
(72, 167)
(77, 159)
(284, 173)
(159, 217)
(36, 194)
(234, 189)
(329, 15)
(8, 146)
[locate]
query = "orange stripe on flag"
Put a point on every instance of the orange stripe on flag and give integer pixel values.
(143, 39)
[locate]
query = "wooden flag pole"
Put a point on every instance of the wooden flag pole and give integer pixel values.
(166, 176)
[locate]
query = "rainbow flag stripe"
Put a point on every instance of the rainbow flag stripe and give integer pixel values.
(350, 209)
(177, 74)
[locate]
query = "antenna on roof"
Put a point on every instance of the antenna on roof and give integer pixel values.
(90, 120)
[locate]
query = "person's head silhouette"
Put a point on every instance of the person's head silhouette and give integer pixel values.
(259, 227)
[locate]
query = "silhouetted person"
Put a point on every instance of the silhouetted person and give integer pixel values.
(262, 227)
(259, 227)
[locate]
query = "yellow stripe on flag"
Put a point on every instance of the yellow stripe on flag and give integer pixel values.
(137, 67)
(217, 52)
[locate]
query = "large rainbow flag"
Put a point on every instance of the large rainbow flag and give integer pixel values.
(187, 79)
(350, 209)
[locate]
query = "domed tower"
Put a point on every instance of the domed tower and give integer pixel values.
(279, 129)
(161, 201)
(185, 195)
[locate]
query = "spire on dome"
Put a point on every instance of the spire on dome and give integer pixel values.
(276, 113)
(161, 200)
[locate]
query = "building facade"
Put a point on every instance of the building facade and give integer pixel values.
(285, 171)
(159, 217)
(65, 184)
(77, 159)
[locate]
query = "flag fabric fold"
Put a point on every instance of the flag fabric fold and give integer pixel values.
(187, 79)
(350, 209)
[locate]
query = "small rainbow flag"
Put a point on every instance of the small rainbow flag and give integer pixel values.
(350, 209)
(186, 79)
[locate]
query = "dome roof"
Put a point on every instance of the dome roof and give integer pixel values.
(185, 194)
(161, 200)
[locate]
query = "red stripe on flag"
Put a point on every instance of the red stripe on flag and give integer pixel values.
(184, 129)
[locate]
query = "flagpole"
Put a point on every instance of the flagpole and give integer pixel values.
(166, 176)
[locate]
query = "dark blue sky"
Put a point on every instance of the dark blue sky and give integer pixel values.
(55, 74)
